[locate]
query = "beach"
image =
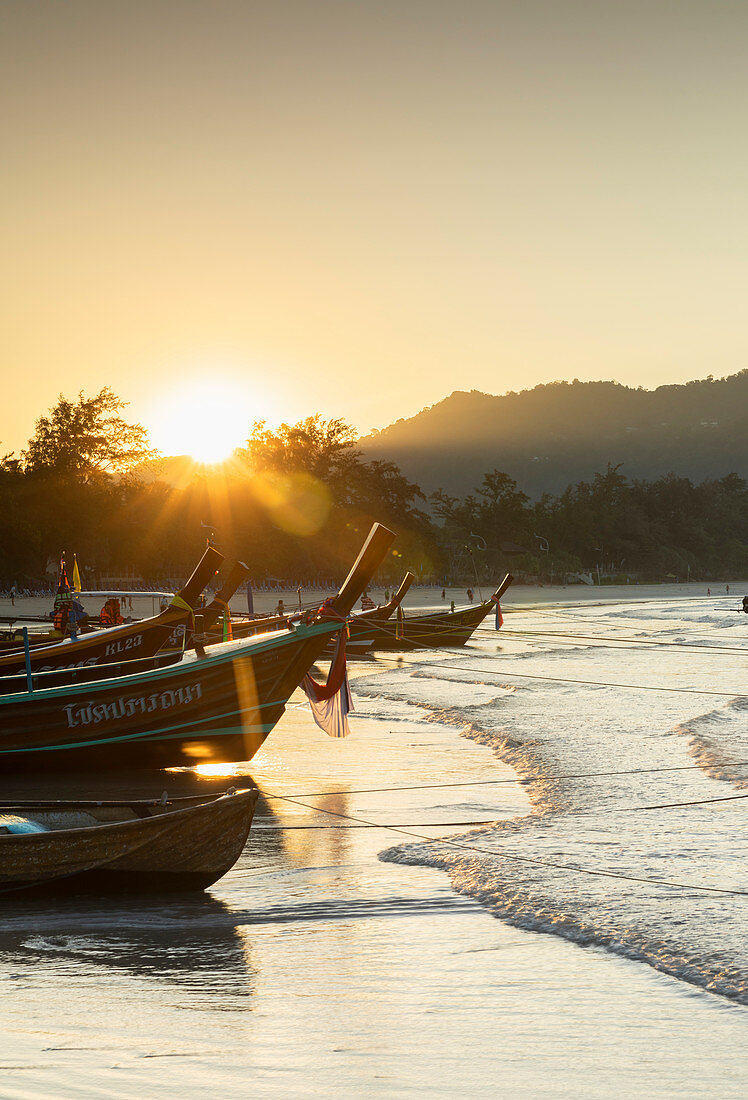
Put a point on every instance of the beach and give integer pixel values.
(538, 953)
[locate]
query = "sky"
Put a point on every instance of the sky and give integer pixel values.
(358, 206)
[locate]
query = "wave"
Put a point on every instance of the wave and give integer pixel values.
(719, 742)
(565, 738)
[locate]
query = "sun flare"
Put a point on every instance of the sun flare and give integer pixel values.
(206, 420)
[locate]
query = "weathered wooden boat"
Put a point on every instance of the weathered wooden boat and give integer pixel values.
(210, 706)
(151, 846)
(117, 643)
(41, 632)
(212, 617)
(437, 629)
(365, 626)
(362, 626)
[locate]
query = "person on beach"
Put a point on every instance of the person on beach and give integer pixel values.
(470, 594)
(708, 591)
(727, 589)
(280, 609)
(444, 593)
(452, 606)
(13, 595)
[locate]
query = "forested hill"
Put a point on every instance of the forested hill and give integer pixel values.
(556, 434)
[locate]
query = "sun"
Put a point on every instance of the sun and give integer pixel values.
(207, 419)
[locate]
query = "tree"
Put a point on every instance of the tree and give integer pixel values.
(323, 448)
(87, 438)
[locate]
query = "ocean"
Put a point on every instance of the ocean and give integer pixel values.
(588, 936)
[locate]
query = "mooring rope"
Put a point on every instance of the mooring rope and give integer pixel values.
(502, 854)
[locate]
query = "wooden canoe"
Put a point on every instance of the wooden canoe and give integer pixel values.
(218, 705)
(156, 846)
(118, 643)
(438, 629)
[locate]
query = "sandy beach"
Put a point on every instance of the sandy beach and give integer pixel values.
(351, 951)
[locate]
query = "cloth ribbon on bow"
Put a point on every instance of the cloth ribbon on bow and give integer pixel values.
(228, 633)
(331, 702)
(182, 605)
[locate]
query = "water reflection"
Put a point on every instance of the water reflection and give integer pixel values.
(193, 942)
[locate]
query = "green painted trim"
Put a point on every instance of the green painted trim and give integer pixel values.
(245, 647)
(265, 728)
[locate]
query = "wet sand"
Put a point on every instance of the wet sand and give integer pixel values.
(316, 968)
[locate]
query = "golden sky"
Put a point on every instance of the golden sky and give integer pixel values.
(358, 206)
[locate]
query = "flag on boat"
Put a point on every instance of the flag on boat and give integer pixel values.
(76, 575)
(250, 601)
(499, 616)
(63, 585)
(331, 703)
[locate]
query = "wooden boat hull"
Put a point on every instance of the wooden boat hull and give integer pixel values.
(175, 847)
(116, 643)
(219, 707)
(366, 627)
(364, 631)
(131, 641)
(12, 640)
(440, 629)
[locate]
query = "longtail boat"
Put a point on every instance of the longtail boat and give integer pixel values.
(365, 627)
(437, 629)
(362, 626)
(41, 632)
(214, 705)
(214, 617)
(150, 846)
(117, 643)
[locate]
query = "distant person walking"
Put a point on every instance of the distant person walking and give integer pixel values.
(281, 608)
(708, 591)
(727, 589)
(470, 594)
(444, 593)
(13, 595)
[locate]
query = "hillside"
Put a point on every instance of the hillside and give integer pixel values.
(555, 434)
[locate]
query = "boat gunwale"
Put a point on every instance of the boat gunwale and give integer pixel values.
(185, 666)
(26, 838)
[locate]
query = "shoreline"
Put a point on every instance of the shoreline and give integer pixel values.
(376, 978)
(428, 597)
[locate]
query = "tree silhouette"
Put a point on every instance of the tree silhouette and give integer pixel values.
(86, 438)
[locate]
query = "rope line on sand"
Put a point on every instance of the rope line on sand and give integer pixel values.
(491, 820)
(522, 859)
(567, 679)
(551, 679)
(521, 781)
(567, 614)
(621, 643)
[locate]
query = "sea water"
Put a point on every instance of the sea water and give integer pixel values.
(340, 958)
